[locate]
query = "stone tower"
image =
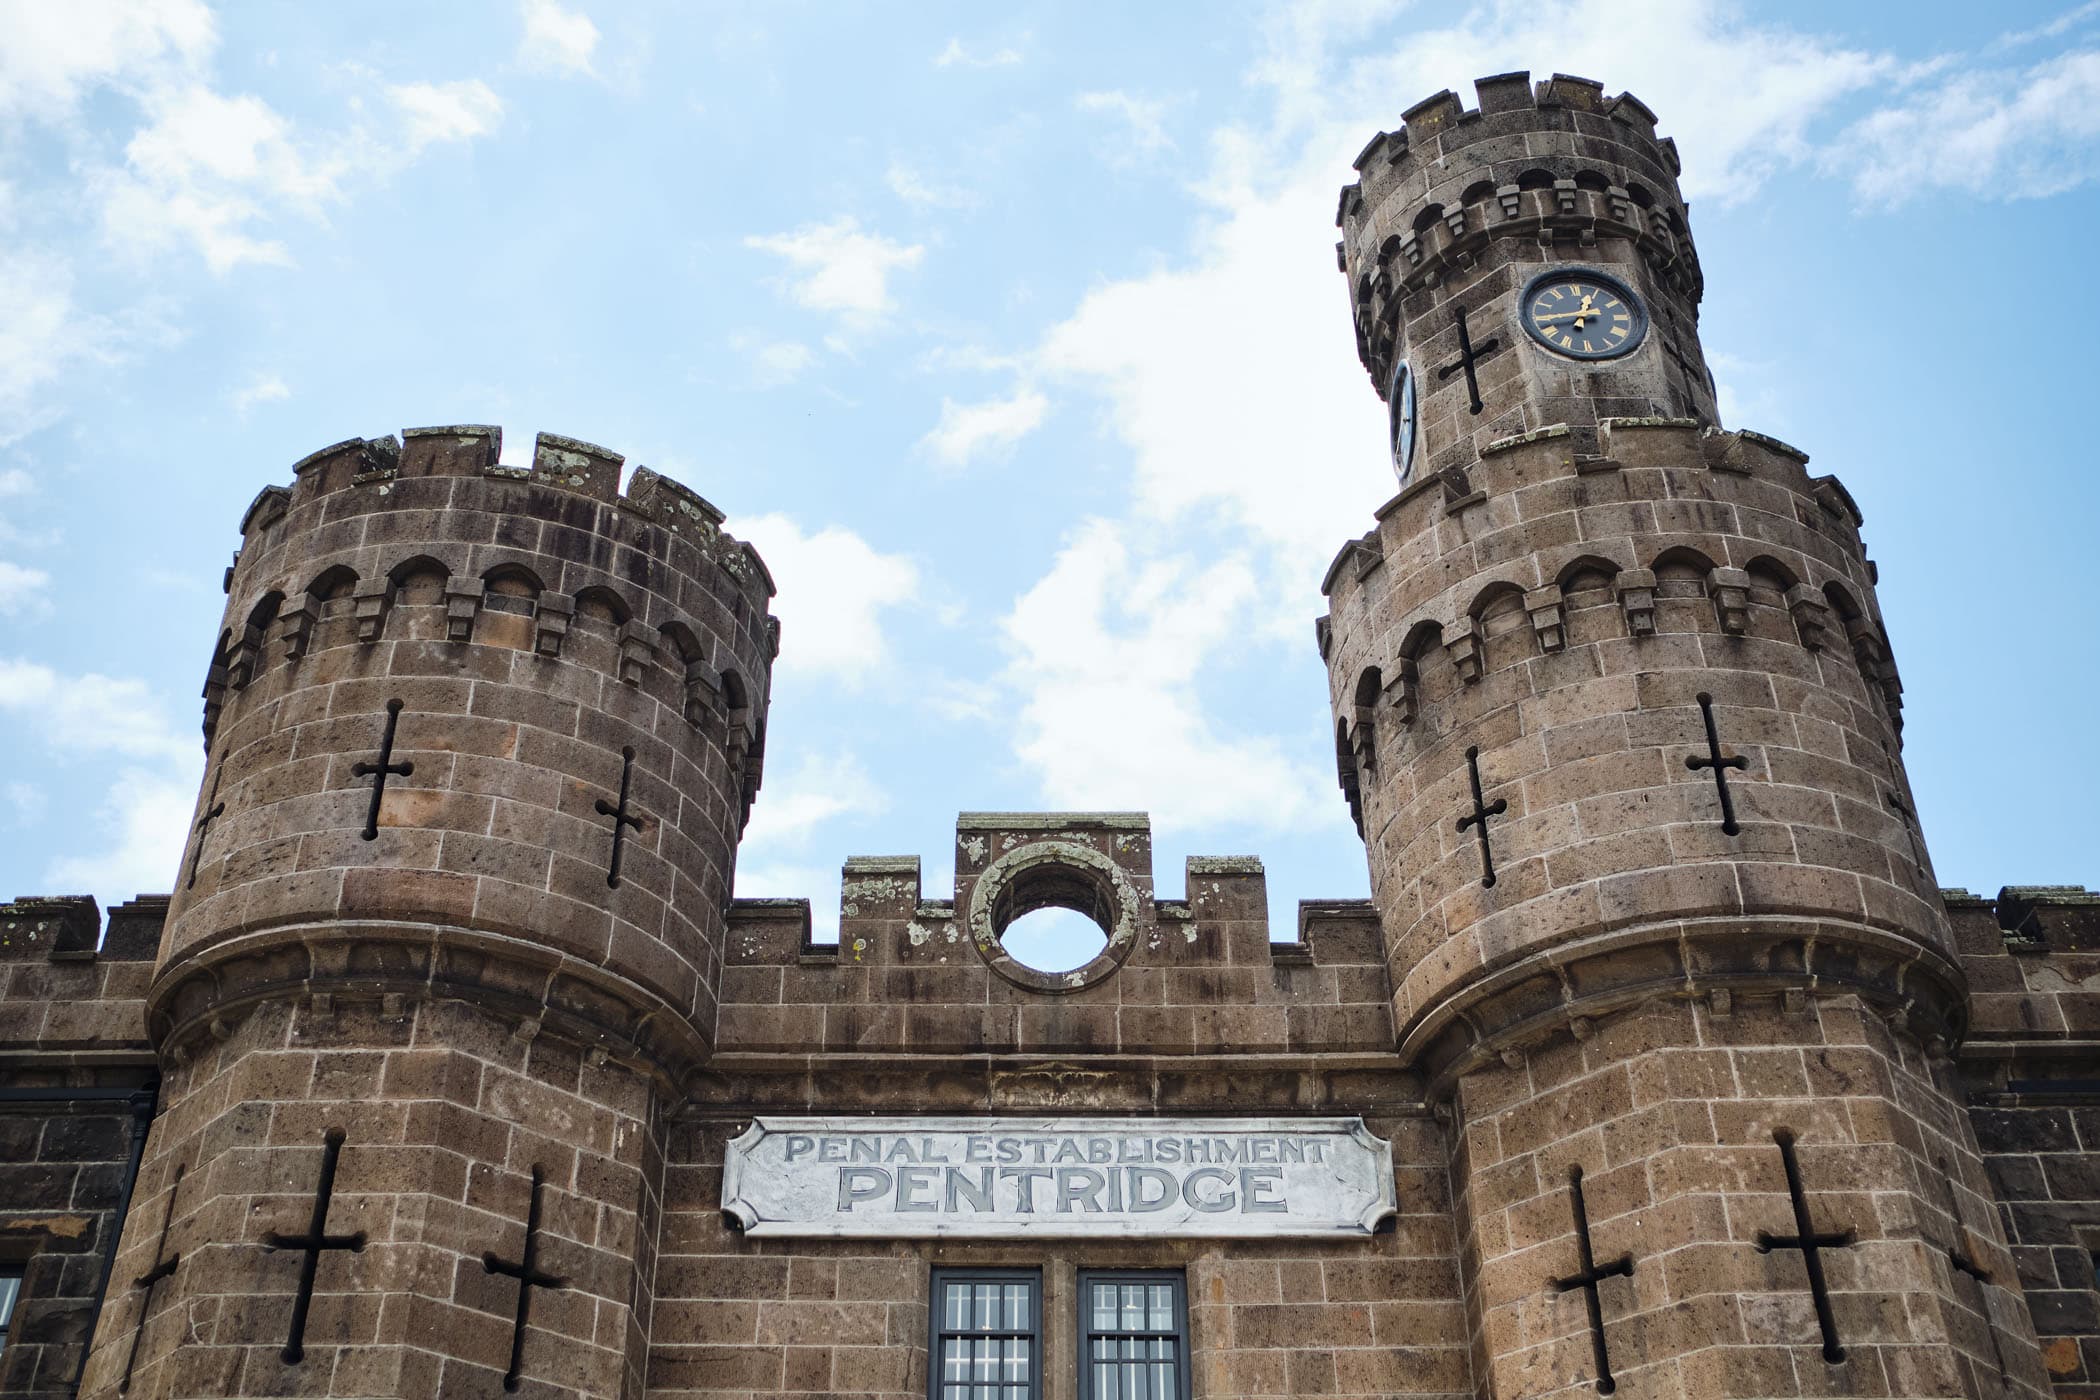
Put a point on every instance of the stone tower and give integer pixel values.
(449, 929)
(1619, 725)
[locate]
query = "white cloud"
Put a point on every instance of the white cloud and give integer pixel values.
(25, 801)
(1220, 431)
(211, 169)
(144, 820)
(45, 337)
(200, 134)
(555, 40)
(968, 430)
(92, 714)
(202, 171)
(965, 359)
(821, 788)
(914, 188)
(20, 586)
(263, 388)
(2055, 28)
(834, 588)
(1735, 133)
(958, 55)
(145, 813)
(1143, 129)
(1107, 650)
(777, 362)
(51, 54)
(817, 883)
(835, 267)
(772, 861)
(436, 112)
(205, 167)
(2004, 134)
(15, 482)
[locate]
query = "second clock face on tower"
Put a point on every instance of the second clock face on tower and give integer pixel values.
(1581, 313)
(1400, 413)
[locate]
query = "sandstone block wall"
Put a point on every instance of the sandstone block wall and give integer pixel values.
(1671, 1115)
(444, 1113)
(1194, 975)
(2033, 1082)
(1359, 1318)
(75, 1074)
(1559, 624)
(1191, 1010)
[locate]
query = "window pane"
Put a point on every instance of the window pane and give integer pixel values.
(1137, 1344)
(985, 1337)
(1162, 1307)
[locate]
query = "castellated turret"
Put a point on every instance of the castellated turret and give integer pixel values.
(449, 925)
(1617, 719)
(1458, 211)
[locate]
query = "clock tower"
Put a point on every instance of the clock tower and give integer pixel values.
(1619, 724)
(1549, 217)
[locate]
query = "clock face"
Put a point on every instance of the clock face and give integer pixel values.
(1400, 412)
(1582, 314)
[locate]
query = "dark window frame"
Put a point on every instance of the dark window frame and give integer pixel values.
(942, 1275)
(15, 1271)
(1177, 1279)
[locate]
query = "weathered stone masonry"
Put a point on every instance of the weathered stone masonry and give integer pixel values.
(423, 1078)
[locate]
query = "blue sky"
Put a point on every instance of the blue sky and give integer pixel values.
(1012, 336)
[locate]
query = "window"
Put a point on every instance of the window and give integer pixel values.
(987, 1334)
(1135, 1335)
(10, 1289)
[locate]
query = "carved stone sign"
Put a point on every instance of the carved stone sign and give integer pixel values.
(1009, 1177)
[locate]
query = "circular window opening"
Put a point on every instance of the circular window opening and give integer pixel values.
(1052, 916)
(1053, 940)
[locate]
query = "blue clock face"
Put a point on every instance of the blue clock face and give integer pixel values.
(1400, 411)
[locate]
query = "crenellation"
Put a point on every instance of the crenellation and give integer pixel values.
(455, 450)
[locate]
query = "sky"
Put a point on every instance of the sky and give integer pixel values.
(1012, 337)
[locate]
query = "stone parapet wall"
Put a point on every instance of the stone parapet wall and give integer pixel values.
(1194, 976)
(72, 992)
